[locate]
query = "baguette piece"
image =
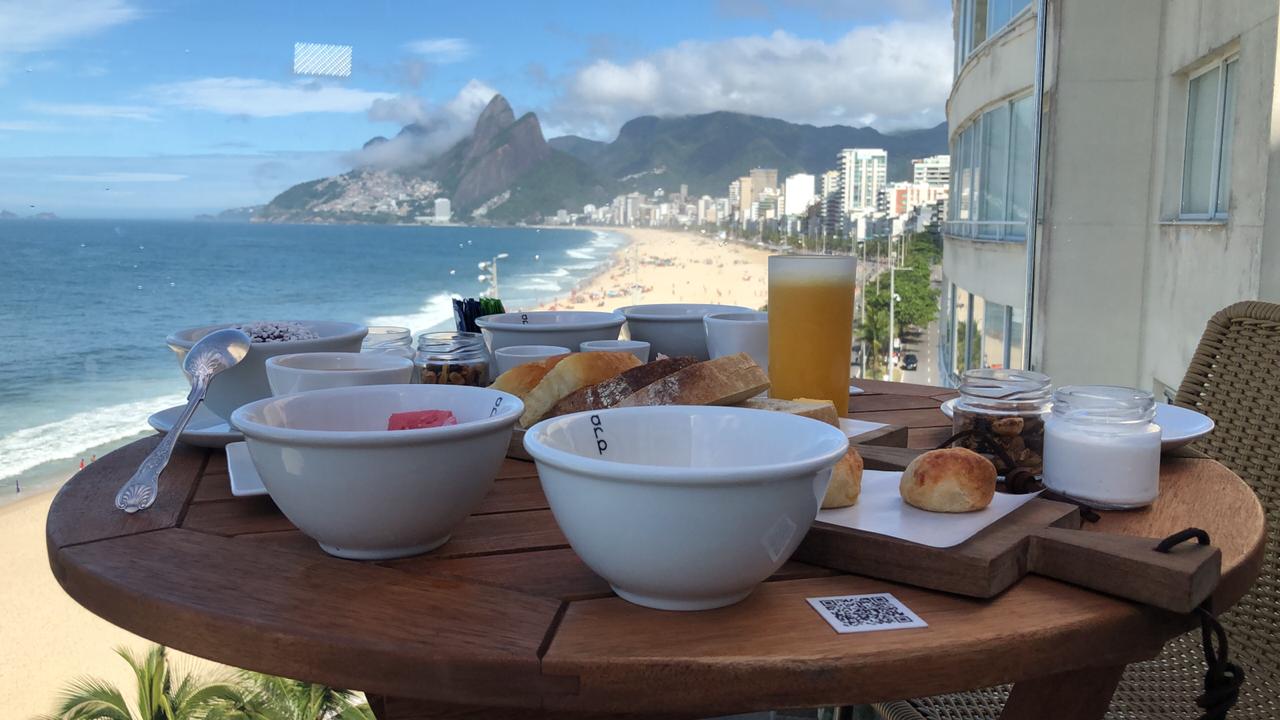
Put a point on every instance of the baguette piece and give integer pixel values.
(723, 381)
(572, 373)
(822, 410)
(609, 393)
(520, 379)
(846, 482)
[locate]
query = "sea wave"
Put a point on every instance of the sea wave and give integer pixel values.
(30, 447)
(583, 253)
(531, 284)
(437, 311)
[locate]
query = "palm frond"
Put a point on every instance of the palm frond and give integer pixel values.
(91, 699)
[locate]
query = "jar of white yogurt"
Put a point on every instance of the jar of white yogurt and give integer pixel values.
(1101, 447)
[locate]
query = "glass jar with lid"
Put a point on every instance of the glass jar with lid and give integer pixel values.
(1101, 446)
(1007, 408)
(390, 340)
(452, 358)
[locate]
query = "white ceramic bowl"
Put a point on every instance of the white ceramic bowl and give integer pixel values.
(673, 329)
(734, 332)
(639, 348)
(516, 355)
(247, 381)
(566, 328)
(684, 507)
(365, 492)
(301, 372)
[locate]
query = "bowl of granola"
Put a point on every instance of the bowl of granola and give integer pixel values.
(247, 381)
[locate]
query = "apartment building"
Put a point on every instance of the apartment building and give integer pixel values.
(1159, 198)
(863, 173)
(934, 171)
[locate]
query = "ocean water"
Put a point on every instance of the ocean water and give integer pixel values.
(85, 307)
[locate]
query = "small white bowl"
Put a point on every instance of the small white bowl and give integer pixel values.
(516, 355)
(674, 329)
(301, 372)
(734, 332)
(639, 348)
(684, 507)
(566, 328)
(364, 492)
(247, 381)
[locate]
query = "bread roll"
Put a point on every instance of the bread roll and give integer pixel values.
(574, 372)
(846, 482)
(723, 381)
(520, 379)
(609, 393)
(950, 480)
(821, 410)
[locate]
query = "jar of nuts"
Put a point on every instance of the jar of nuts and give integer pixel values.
(1007, 407)
(451, 358)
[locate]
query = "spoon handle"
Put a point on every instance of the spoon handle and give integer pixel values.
(140, 491)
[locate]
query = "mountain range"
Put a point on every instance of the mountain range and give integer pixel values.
(506, 171)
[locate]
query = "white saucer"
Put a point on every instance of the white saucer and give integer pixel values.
(1178, 425)
(855, 390)
(245, 481)
(204, 430)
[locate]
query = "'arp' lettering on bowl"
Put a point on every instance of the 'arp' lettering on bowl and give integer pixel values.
(598, 430)
(496, 404)
(524, 318)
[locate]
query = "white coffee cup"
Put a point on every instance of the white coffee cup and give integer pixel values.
(730, 333)
(517, 355)
(639, 348)
(300, 372)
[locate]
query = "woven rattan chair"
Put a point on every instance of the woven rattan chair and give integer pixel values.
(1234, 378)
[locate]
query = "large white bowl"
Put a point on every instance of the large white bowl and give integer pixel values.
(365, 492)
(673, 329)
(247, 381)
(302, 372)
(683, 507)
(566, 328)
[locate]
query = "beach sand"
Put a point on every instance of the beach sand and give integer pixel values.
(660, 266)
(48, 640)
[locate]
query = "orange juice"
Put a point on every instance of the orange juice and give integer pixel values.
(811, 327)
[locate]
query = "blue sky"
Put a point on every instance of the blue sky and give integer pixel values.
(184, 106)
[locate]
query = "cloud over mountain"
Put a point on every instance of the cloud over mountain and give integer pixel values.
(429, 129)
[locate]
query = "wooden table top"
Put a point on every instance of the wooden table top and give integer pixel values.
(505, 614)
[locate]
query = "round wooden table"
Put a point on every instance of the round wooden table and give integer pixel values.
(505, 615)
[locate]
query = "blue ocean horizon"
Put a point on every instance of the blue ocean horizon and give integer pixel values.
(88, 304)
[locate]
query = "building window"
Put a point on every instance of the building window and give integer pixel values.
(981, 19)
(991, 174)
(1206, 161)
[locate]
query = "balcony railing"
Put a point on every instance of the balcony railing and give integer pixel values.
(988, 230)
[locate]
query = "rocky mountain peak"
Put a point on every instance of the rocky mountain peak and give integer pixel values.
(495, 117)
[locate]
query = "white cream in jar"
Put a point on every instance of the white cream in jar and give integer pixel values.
(1101, 447)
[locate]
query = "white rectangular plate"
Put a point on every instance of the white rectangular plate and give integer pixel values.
(880, 510)
(245, 481)
(854, 428)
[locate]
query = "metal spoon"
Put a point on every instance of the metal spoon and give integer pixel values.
(212, 354)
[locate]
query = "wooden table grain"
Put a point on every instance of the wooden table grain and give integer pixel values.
(505, 615)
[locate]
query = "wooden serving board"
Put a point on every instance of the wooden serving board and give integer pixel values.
(1041, 537)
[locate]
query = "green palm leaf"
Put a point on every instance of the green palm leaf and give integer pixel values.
(90, 699)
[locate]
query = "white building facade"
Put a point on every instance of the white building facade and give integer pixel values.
(863, 173)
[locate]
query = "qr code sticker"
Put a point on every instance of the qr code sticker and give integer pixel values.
(864, 613)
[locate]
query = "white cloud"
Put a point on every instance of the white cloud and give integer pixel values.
(118, 112)
(264, 98)
(28, 26)
(122, 177)
(441, 50)
(438, 127)
(891, 76)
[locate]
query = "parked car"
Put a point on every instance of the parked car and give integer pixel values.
(910, 361)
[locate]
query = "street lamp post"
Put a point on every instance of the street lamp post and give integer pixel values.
(492, 267)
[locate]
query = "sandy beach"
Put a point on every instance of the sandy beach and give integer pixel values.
(659, 266)
(49, 640)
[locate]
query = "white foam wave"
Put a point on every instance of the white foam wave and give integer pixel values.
(436, 311)
(532, 284)
(63, 439)
(580, 254)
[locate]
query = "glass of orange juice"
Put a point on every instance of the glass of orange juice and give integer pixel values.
(811, 327)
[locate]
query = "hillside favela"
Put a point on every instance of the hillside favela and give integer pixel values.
(568, 360)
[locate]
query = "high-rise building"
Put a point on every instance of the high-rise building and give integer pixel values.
(443, 210)
(762, 179)
(746, 195)
(1131, 261)
(863, 171)
(934, 170)
(798, 194)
